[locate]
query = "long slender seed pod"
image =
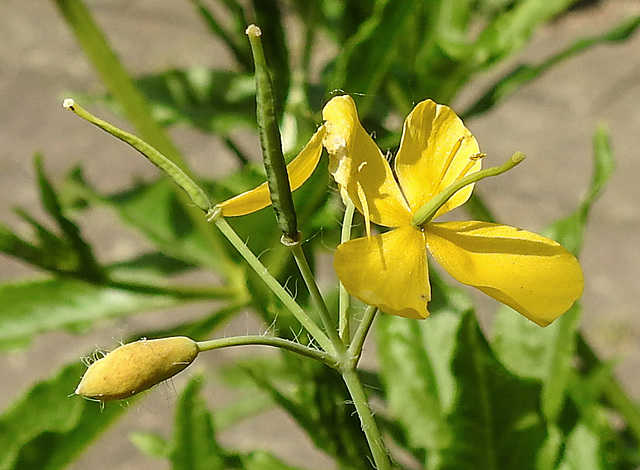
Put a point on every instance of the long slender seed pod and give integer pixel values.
(197, 195)
(270, 141)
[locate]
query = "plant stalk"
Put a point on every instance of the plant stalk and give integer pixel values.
(367, 421)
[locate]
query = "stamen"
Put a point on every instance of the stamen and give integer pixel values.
(362, 197)
(452, 154)
(428, 211)
(472, 161)
(365, 208)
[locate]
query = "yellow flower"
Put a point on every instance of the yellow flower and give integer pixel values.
(532, 274)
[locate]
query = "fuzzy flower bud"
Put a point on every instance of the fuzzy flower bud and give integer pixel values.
(135, 367)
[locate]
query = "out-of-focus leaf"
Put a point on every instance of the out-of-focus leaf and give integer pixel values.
(510, 30)
(242, 408)
(155, 210)
(63, 252)
(215, 101)
(12, 245)
(570, 230)
(151, 444)
(234, 37)
(525, 73)
(318, 401)
(541, 353)
(495, 420)
(33, 307)
(419, 391)
(212, 100)
(366, 57)
(194, 445)
(415, 368)
(46, 429)
(87, 264)
(260, 460)
(530, 351)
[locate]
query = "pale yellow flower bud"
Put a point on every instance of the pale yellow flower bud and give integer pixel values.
(135, 367)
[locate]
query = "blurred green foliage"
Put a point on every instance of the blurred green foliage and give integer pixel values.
(446, 395)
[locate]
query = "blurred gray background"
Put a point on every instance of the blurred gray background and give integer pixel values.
(551, 120)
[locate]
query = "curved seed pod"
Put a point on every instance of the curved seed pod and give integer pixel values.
(135, 367)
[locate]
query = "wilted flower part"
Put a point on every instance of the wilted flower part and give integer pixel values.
(299, 170)
(135, 367)
(530, 273)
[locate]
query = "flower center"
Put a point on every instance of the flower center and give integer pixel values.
(427, 212)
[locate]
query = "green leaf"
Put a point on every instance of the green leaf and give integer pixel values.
(87, 265)
(194, 445)
(583, 451)
(569, 231)
(155, 210)
(495, 421)
(33, 307)
(367, 56)
(522, 74)
(46, 429)
(211, 100)
(546, 354)
(511, 29)
(541, 353)
(12, 245)
(260, 460)
(317, 399)
(149, 443)
(414, 368)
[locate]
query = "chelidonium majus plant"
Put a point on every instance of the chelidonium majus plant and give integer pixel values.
(433, 172)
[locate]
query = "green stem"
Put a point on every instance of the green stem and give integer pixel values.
(313, 329)
(316, 295)
(428, 211)
(267, 341)
(345, 298)
(367, 421)
(355, 348)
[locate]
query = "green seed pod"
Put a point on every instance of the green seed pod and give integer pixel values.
(135, 367)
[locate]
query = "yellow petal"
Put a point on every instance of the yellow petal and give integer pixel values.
(388, 271)
(436, 150)
(532, 274)
(355, 159)
(300, 169)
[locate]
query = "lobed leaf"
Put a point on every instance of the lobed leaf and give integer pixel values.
(522, 74)
(46, 429)
(33, 307)
(194, 446)
(495, 421)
